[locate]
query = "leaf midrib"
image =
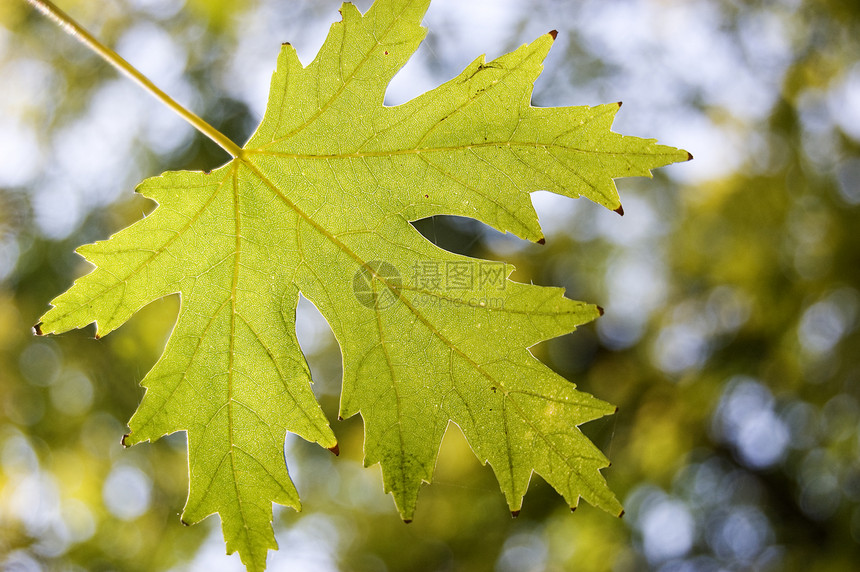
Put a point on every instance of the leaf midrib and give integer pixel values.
(230, 367)
(454, 148)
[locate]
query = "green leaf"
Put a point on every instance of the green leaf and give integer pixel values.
(320, 202)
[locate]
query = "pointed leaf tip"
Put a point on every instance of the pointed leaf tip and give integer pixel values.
(515, 513)
(573, 509)
(689, 156)
(124, 437)
(600, 310)
(620, 210)
(553, 33)
(37, 329)
(621, 514)
(541, 241)
(407, 520)
(335, 450)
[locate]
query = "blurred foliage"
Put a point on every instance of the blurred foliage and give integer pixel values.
(730, 341)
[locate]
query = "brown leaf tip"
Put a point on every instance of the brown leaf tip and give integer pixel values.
(515, 513)
(620, 210)
(124, 437)
(37, 329)
(541, 241)
(554, 34)
(689, 156)
(184, 523)
(621, 514)
(407, 520)
(573, 509)
(286, 44)
(600, 310)
(335, 450)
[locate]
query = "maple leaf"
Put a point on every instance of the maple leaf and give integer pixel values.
(319, 201)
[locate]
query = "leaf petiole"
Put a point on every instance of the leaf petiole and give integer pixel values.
(75, 30)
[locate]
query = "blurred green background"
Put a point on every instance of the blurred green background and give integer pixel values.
(730, 340)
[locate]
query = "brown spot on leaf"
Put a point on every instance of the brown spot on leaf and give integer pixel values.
(386, 52)
(184, 523)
